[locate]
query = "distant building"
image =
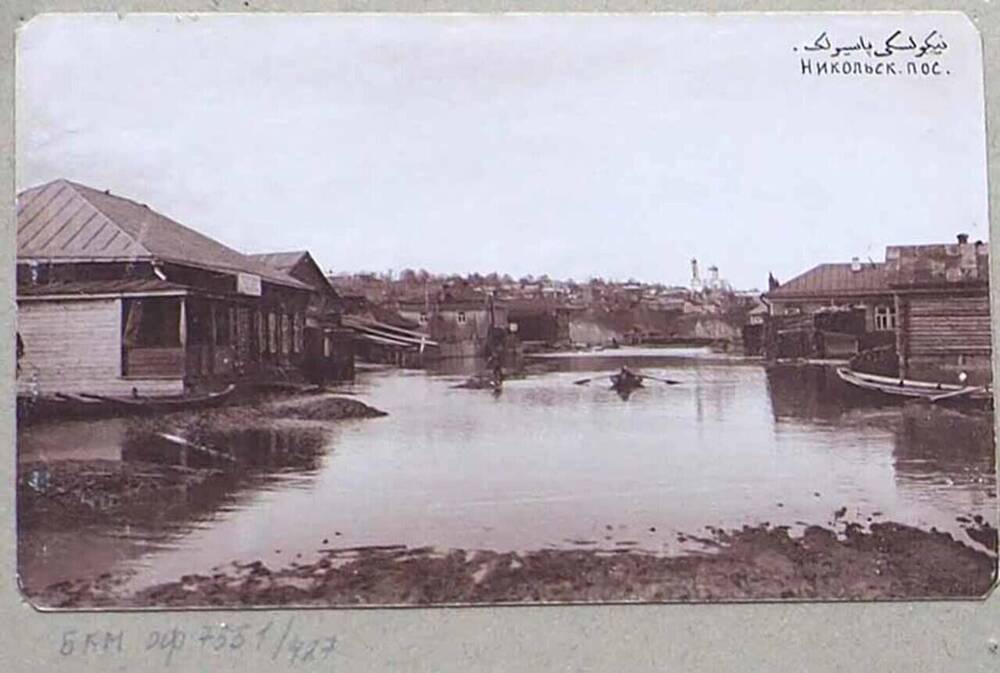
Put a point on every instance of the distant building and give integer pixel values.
(462, 326)
(541, 322)
(696, 285)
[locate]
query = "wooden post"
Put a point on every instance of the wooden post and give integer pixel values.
(901, 340)
(182, 324)
(212, 329)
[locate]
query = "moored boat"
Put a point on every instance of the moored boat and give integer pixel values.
(927, 390)
(72, 405)
(171, 403)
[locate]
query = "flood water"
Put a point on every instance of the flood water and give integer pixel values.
(549, 463)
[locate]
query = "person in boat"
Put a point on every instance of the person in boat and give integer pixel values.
(627, 378)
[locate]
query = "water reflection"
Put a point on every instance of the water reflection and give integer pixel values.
(271, 448)
(937, 451)
(816, 393)
(549, 463)
(259, 459)
(943, 445)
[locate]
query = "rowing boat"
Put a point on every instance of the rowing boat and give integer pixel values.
(926, 390)
(174, 403)
(626, 381)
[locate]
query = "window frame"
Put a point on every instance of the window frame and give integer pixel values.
(884, 318)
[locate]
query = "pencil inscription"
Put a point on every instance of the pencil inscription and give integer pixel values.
(279, 641)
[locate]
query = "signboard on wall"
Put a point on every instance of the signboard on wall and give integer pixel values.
(248, 283)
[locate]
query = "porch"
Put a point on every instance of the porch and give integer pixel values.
(207, 339)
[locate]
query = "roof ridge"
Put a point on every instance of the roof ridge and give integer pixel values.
(75, 186)
(298, 251)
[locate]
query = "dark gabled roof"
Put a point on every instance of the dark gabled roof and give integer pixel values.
(300, 265)
(69, 222)
(283, 261)
(834, 280)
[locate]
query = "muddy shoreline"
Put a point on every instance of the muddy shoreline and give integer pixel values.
(888, 561)
(885, 561)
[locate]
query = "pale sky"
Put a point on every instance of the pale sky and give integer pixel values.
(572, 145)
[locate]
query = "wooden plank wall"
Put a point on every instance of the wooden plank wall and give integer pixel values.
(938, 325)
(74, 346)
(155, 363)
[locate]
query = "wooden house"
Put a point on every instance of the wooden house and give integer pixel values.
(540, 321)
(923, 313)
(942, 306)
(463, 325)
(855, 285)
(832, 311)
(114, 298)
(328, 344)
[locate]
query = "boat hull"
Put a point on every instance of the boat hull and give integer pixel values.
(86, 405)
(908, 388)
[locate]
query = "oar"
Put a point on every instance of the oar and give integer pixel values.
(581, 382)
(669, 382)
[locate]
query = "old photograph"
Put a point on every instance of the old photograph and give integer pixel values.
(399, 310)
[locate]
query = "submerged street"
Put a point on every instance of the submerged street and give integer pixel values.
(546, 464)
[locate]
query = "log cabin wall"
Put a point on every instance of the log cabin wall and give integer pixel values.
(75, 345)
(944, 334)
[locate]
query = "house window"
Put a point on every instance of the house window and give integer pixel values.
(261, 332)
(461, 317)
(272, 333)
(885, 318)
(297, 337)
(286, 333)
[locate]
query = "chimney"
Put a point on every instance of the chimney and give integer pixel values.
(855, 264)
(968, 254)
